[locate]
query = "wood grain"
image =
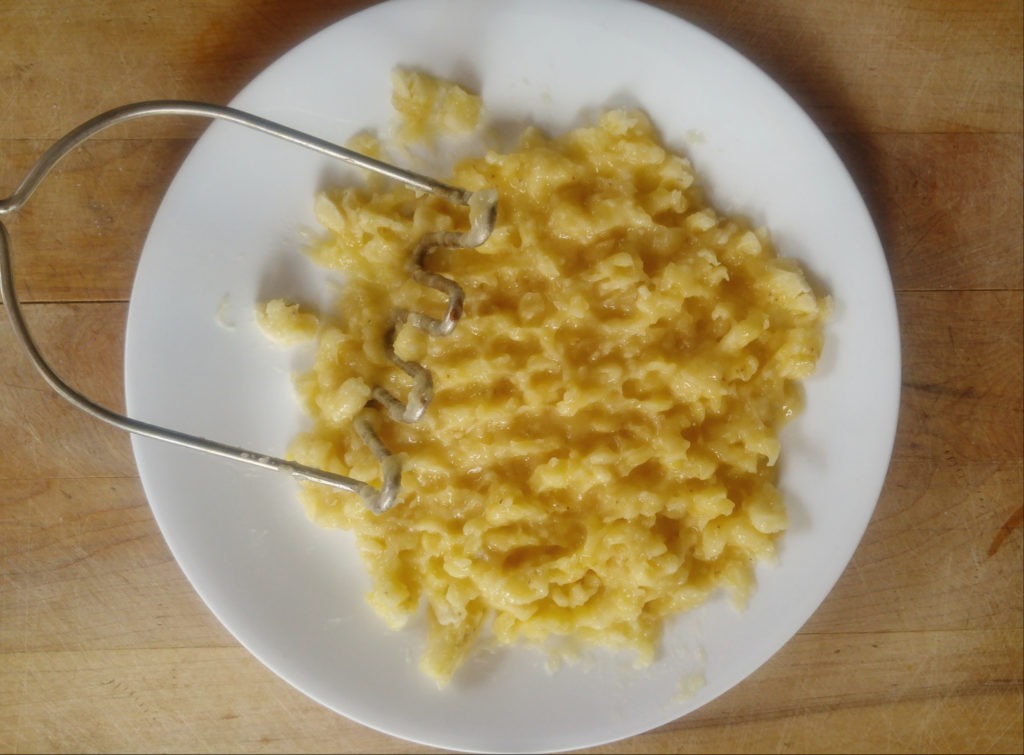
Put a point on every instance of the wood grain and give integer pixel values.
(44, 437)
(79, 236)
(62, 63)
(104, 645)
(881, 66)
(947, 206)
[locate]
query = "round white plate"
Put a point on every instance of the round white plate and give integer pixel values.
(230, 233)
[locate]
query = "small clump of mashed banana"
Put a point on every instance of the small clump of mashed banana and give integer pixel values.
(601, 451)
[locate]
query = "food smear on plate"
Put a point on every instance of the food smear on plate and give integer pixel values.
(601, 451)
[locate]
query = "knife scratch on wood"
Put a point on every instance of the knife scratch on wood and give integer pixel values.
(1016, 520)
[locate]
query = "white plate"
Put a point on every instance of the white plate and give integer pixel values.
(229, 233)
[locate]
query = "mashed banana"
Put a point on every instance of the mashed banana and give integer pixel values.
(601, 450)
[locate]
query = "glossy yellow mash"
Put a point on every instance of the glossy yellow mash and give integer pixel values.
(601, 450)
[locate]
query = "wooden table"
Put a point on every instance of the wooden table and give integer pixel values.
(105, 647)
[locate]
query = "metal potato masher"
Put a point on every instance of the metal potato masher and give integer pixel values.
(482, 212)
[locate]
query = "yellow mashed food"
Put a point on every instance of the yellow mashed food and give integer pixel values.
(601, 450)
